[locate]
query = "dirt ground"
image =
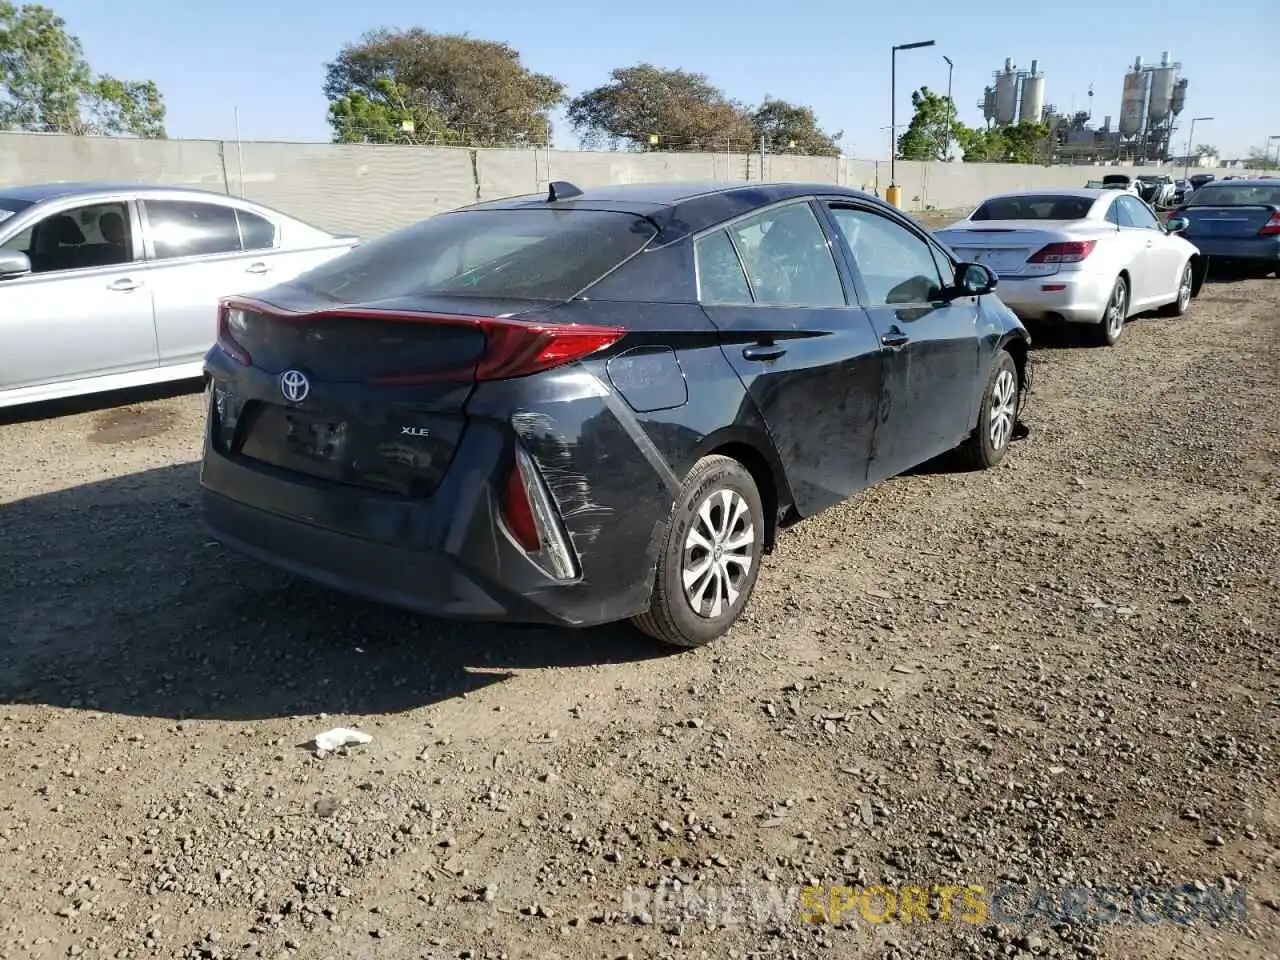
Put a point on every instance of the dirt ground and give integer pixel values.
(1056, 676)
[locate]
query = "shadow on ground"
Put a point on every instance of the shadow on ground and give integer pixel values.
(105, 402)
(115, 600)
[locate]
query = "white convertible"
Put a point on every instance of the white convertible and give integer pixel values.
(1094, 257)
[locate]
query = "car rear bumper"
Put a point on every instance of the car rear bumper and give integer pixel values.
(1063, 297)
(445, 555)
(1239, 248)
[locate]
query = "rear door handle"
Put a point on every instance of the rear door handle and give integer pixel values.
(895, 340)
(123, 285)
(768, 351)
(258, 267)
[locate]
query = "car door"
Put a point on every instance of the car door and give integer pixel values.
(85, 308)
(1164, 255)
(809, 360)
(929, 340)
(1140, 241)
(197, 253)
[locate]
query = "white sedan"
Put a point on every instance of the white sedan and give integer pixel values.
(1090, 257)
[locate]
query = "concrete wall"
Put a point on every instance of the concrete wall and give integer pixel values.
(370, 189)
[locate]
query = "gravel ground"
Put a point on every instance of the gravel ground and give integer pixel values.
(1060, 673)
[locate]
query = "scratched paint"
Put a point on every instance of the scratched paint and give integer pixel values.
(570, 489)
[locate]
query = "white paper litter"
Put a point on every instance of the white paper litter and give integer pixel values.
(340, 737)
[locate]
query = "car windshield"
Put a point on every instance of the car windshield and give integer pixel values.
(1034, 207)
(1232, 195)
(523, 254)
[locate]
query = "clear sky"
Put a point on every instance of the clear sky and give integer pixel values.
(266, 57)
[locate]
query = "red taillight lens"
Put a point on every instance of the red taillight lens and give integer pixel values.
(515, 349)
(1272, 227)
(517, 511)
(227, 340)
(1072, 252)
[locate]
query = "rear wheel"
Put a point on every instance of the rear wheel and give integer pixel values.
(710, 555)
(1107, 332)
(1180, 306)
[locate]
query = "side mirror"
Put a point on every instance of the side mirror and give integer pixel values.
(1177, 224)
(13, 263)
(974, 280)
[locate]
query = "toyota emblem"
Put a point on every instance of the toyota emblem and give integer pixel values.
(294, 385)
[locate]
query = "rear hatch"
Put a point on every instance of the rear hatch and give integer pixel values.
(359, 372)
(1016, 249)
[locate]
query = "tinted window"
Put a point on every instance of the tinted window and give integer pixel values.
(182, 228)
(98, 235)
(787, 257)
(1228, 195)
(1034, 207)
(896, 265)
(533, 254)
(1113, 216)
(256, 233)
(1139, 214)
(720, 276)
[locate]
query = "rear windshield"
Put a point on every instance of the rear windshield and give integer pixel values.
(1230, 195)
(10, 206)
(522, 254)
(1039, 207)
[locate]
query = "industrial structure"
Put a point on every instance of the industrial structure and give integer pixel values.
(1015, 96)
(1152, 98)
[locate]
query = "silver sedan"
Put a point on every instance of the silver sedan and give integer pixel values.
(106, 286)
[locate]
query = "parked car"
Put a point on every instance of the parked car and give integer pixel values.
(1181, 190)
(1090, 257)
(583, 407)
(1119, 181)
(1156, 190)
(1198, 180)
(1238, 221)
(105, 286)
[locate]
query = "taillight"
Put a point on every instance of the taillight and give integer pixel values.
(531, 519)
(1072, 252)
(515, 349)
(228, 318)
(1272, 227)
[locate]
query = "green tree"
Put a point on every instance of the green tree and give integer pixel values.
(1026, 143)
(933, 126)
(1205, 150)
(450, 88)
(46, 83)
(981, 144)
(650, 108)
(790, 128)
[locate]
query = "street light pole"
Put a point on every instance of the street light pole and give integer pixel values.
(1191, 135)
(893, 194)
(946, 147)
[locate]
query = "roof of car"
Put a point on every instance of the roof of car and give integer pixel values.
(1084, 193)
(679, 208)
(1250, 181)
(37, 193)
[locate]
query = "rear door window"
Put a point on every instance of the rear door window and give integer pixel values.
(185, 228)
(787, 258)
(521, 254)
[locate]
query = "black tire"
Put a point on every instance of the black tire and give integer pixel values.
(987, 445)
(1107, 331)
(671, 616)
(1186, 289)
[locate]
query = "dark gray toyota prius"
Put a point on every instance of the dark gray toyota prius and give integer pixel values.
(580, 407)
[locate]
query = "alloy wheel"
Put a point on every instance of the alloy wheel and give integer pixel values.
(1004, 404)
(1115, 312)
(718, 553)
(1184, 289)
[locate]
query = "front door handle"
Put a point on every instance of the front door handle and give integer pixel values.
(123, 285)
(895, 340)
(258, 267)
(763, 351)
